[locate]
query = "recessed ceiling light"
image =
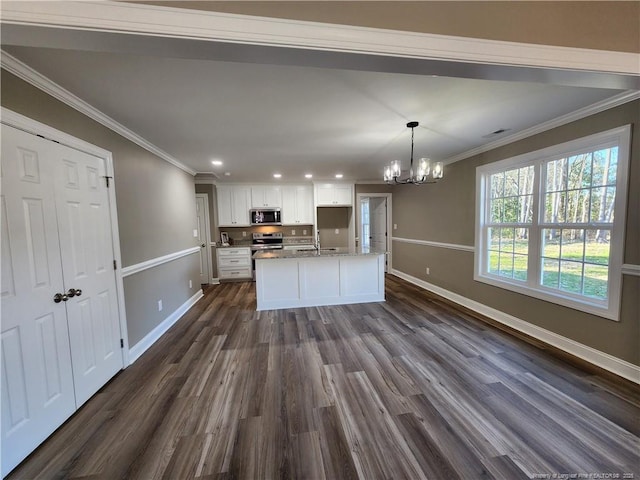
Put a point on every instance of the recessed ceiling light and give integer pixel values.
(277, 175)
(338, 175)
(308, 175)
(217, 163)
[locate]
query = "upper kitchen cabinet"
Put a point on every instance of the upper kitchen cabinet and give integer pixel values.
(297, 205)
(334, 195)
(266, 196)
(233, 205)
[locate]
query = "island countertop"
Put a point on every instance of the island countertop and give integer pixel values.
(312, 252)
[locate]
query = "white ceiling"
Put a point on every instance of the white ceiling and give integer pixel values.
(263, 118)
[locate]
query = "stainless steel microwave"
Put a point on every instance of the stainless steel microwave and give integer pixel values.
(265, 216)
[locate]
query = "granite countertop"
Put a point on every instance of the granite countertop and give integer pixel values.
(312, 252)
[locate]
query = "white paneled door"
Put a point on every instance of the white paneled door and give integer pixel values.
(82, 206)
(60, 325)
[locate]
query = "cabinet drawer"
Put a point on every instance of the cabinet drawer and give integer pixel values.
(226, 273)
(237, 261)
(227, 252)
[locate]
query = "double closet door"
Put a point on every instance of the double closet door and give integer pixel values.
(60, 335)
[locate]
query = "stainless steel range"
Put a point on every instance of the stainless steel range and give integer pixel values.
(267, 241)
(263, 242)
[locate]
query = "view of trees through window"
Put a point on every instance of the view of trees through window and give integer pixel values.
(576, 211)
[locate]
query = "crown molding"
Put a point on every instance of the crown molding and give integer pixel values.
(616, 100)
(108, 16)
(28, 74)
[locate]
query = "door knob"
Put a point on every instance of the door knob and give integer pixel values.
(60, 297)
(203, 245)
(73, 292)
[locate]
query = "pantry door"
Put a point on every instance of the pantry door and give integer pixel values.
(82, 206)
(37, 382)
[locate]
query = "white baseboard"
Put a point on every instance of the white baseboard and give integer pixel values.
(152, 337)
(596, 357)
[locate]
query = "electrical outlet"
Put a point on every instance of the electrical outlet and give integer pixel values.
(304, 232)
(244, 234)
(293, 232)
(159, 305)
(337, 231)
(395, 226)
(428, 271)
(190, 284)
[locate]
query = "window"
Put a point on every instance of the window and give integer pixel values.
(550, 223)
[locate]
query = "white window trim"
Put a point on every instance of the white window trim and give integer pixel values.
(609, 309)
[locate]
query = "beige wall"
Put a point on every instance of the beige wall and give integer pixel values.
(603, 25)
(445, 212)
(155, 200)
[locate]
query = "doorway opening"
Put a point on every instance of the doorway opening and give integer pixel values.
(374, 223)
(204, 237)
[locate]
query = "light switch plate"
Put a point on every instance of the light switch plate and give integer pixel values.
(337, 231)
(195, 232)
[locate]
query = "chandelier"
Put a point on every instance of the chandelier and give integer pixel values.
(423, 173)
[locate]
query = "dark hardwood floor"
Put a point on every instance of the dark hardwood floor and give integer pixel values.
(410, 388)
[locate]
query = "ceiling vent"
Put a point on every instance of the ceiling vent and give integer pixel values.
(498, 132)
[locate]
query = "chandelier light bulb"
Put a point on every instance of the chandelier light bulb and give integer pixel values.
(424, 168)
(395, 168)
(438, 170)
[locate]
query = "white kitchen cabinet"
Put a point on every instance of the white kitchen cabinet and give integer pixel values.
(334, 194)
(268, 196)
(233, 205)
(297, 205)
(234, 263)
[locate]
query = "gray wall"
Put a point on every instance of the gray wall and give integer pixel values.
(155, 200)
(445, 212)
(330, 219)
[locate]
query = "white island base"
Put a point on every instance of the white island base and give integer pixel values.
(311, 281)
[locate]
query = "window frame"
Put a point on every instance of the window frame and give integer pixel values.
(609, 308)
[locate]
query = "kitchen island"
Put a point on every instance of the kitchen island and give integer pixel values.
(310, 277)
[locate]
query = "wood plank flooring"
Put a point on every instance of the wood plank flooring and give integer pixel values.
(407, 389)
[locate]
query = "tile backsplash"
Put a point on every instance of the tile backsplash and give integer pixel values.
(239, 235)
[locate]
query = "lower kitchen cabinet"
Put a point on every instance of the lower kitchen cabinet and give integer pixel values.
(234, 263)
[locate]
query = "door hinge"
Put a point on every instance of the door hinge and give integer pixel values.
(115, 265)
(106, 177)
(121, 343)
